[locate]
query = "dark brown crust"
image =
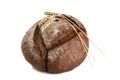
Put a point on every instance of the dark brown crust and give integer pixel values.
(55, 49)
(57, 33)
(39, 44)
(68, 55)
(31, 52)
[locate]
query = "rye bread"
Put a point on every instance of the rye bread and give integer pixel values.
(56, 48)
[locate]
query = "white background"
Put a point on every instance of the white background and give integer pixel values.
(100, 17)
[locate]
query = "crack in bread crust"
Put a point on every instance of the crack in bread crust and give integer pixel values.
(57, 33)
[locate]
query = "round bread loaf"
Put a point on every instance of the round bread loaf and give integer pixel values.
(52, 45)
